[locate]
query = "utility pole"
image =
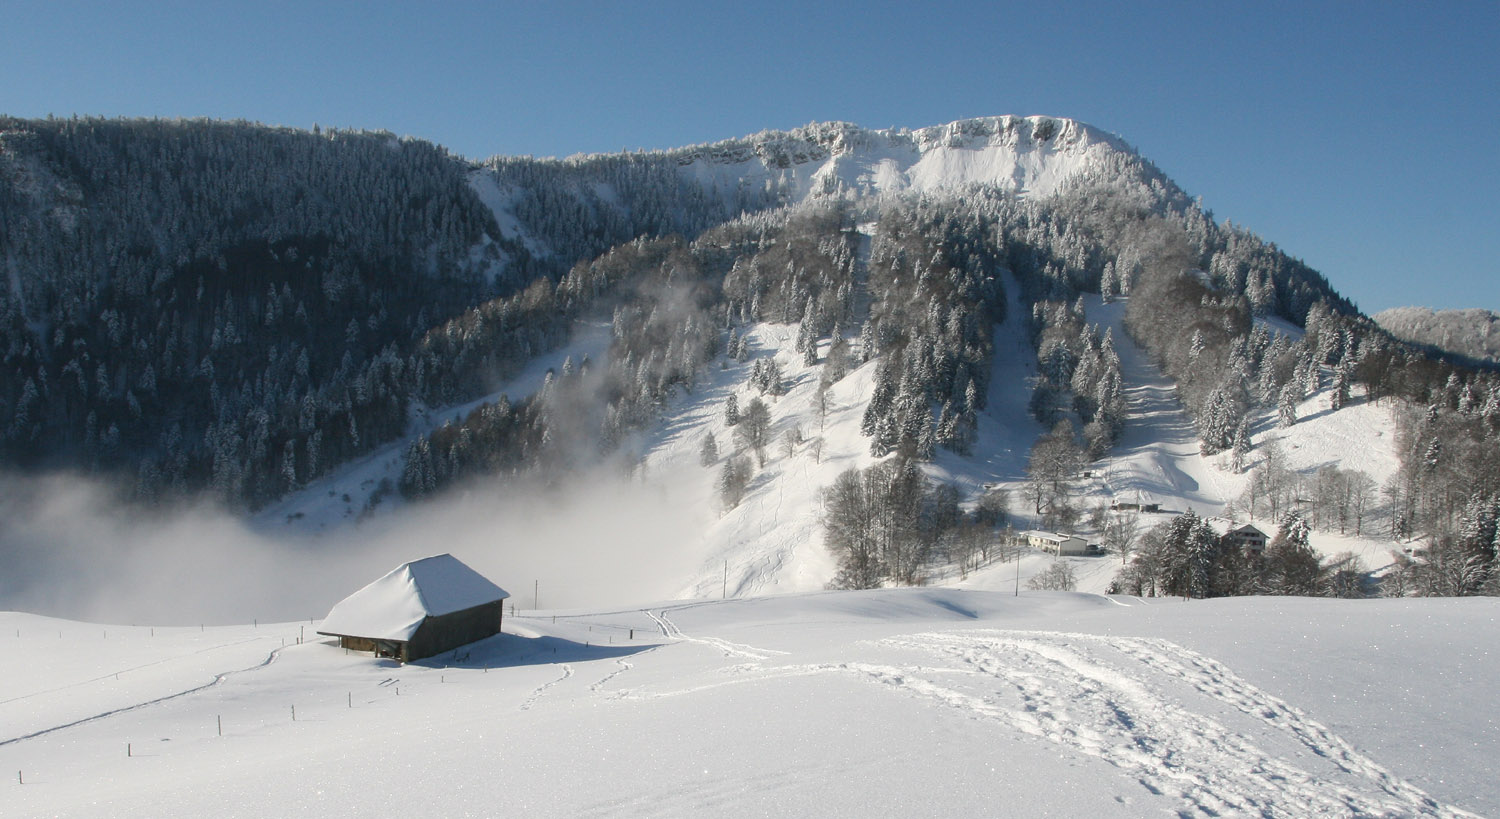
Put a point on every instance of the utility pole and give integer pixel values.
(536, 587)
(724, 595)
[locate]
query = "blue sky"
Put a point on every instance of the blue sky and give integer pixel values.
(1361, 137)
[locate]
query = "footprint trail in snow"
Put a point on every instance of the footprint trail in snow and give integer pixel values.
(1180, 723)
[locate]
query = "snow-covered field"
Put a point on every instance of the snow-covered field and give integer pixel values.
(898, 702)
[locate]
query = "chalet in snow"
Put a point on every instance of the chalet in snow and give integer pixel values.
(1249, 538)
(420, 609)
(1059, 544)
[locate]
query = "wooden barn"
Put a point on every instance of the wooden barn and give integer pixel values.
(420, 609)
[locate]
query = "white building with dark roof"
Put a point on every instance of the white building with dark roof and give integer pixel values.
(1058, 544)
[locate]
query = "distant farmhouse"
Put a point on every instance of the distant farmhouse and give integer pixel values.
(1059, 544)
(1250, 539)
(420, 609)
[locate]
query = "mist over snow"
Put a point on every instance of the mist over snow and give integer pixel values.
(75, 551)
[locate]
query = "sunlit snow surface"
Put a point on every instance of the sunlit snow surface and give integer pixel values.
(897, 702)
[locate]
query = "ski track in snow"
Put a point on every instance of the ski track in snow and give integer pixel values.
(602, 681)
(672, 632)
(1157, 458)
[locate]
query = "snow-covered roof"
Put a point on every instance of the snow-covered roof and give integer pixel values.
(1054, 537)
(392, 607)
(1227, 526)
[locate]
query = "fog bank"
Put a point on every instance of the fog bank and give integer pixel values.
(70, 549)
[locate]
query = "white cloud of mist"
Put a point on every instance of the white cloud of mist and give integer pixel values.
(69, 548)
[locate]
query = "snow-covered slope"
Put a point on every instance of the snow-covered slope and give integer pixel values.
(899, 702)
(1158, 459)
(773, 540)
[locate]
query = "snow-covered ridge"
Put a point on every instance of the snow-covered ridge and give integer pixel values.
(1030, 155)
(823, 140)
(1473, 332)
(1027, 155)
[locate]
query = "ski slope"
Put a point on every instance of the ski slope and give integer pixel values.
(895, 702)
(1157, 459)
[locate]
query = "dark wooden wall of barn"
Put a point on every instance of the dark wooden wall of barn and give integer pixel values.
(449, 631)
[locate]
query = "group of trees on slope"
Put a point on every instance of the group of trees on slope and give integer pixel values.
(223, 306)
(1230, 368)
(206, 304)
(1196, 294)
(674, 306)
(1185, 557)
(890, 522)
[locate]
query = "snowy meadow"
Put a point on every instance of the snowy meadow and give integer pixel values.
(896, 702)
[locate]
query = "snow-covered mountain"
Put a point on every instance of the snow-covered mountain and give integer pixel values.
(1473, 332)
(314, 390)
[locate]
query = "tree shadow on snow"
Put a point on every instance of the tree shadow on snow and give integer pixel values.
(1319, 414)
